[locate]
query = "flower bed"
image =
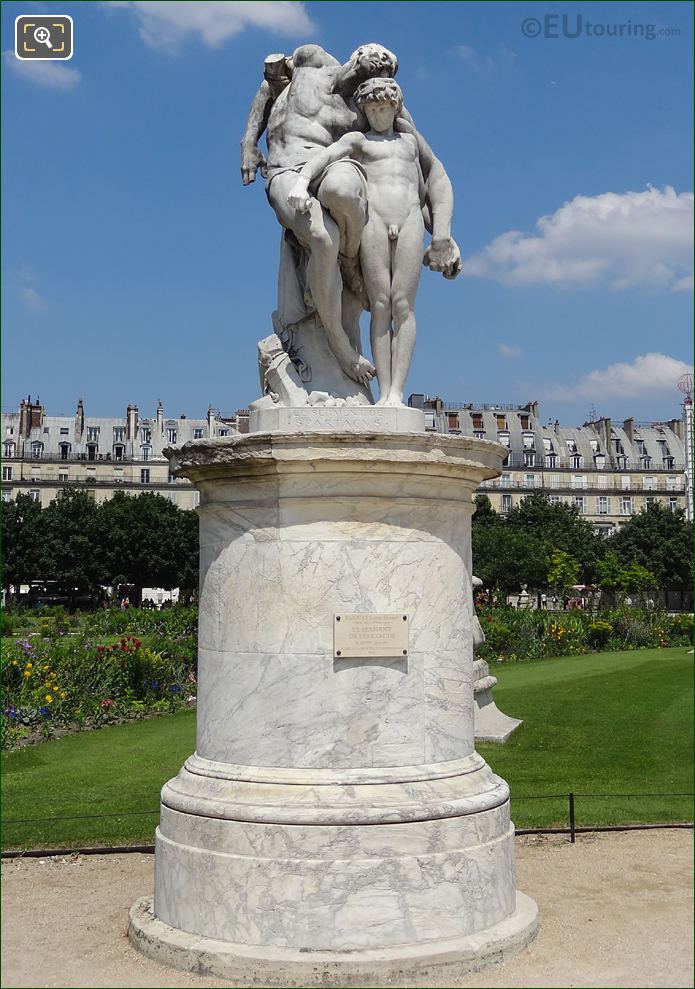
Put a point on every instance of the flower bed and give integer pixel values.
(56, 680)
(518, 634)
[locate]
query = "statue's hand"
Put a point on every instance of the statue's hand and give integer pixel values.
(251, 160)
(299, 197)
(444, 256)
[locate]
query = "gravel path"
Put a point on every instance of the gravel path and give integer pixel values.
(616, 910)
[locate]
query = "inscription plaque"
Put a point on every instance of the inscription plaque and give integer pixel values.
(365, 636)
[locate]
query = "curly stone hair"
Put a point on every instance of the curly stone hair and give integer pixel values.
(378, 90)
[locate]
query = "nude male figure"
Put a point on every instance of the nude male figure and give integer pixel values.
(313, 110)
(392, 239)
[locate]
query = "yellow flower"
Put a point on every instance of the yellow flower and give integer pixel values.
(27, 673)
(49, 698)
(14, 662)
(29, 665)
(46, 667)
(62, 695)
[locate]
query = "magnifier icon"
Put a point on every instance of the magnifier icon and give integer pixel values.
(43, 36)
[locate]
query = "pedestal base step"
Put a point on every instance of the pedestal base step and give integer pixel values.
(253, 965)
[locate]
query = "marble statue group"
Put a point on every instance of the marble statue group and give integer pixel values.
(354, 186)
(335, 825)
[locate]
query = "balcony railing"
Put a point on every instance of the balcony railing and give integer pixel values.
(518, 484)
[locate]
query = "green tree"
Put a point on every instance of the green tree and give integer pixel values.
(23, 549)
(69, 527)
(610, 575)
(563, 572)
(659, 540)
(187, 558)
(141, 542)
(559, 526)
(504, 558)
(636, 579)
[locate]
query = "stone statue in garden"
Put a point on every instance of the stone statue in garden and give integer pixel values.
(333, 261)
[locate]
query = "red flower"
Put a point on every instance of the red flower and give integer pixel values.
(106, 703)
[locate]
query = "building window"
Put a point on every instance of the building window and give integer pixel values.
(555, 499)
(641, 448)
(576, 461)
(63, 476)
(571, 446)
(479, 434)
(172, 496)
(627, 506)
(118, 434)
(528, 441)
(673, 484)
(580, 504)
(649, 483)
(503, 438)
(650, 500)
(672, 504)
(529, 458)
(625, 482)
(223, 432)
(645, 463)
(599, 461)
(146, 435)
(452, 421)
(93, 434)
(196, 498)
(145, 452)
(506, 503)
(554, 480)
(505, 481)
(197, 434)
(35, 495)
(37, 449)
(477, 418)
(145, 475)
(524, 420)
(579, 480)
(602, 505)
(7, 473)
(6, 494)
(9, 430)
(64, 431)
(668, 463)
(529, 480)
(551, 461)
(118, 475)
(8, 450)
(171, 435)
(501, 422)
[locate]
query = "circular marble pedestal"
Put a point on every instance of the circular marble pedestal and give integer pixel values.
(335, 818)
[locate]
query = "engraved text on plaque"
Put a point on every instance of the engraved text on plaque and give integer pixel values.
(364, 636)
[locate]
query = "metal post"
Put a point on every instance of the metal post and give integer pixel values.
(572, 830)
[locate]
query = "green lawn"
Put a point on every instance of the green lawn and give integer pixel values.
(613, 723)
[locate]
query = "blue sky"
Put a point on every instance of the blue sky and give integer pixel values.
(137, 267)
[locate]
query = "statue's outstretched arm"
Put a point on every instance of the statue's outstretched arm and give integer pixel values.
(251, 155)
(443, 253)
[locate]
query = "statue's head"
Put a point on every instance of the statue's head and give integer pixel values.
(379, 90)
(374, 60)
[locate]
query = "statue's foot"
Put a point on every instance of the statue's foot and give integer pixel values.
(393, 400)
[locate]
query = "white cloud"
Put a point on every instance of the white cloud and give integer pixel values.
(483, 62)
(509, 353)
(165, 24)
(54, 75)
(622, 240)
(32, 299)
(647, 374)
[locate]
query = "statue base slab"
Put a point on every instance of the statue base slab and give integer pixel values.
(335, 809)
(245, 965)
(345, 418)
